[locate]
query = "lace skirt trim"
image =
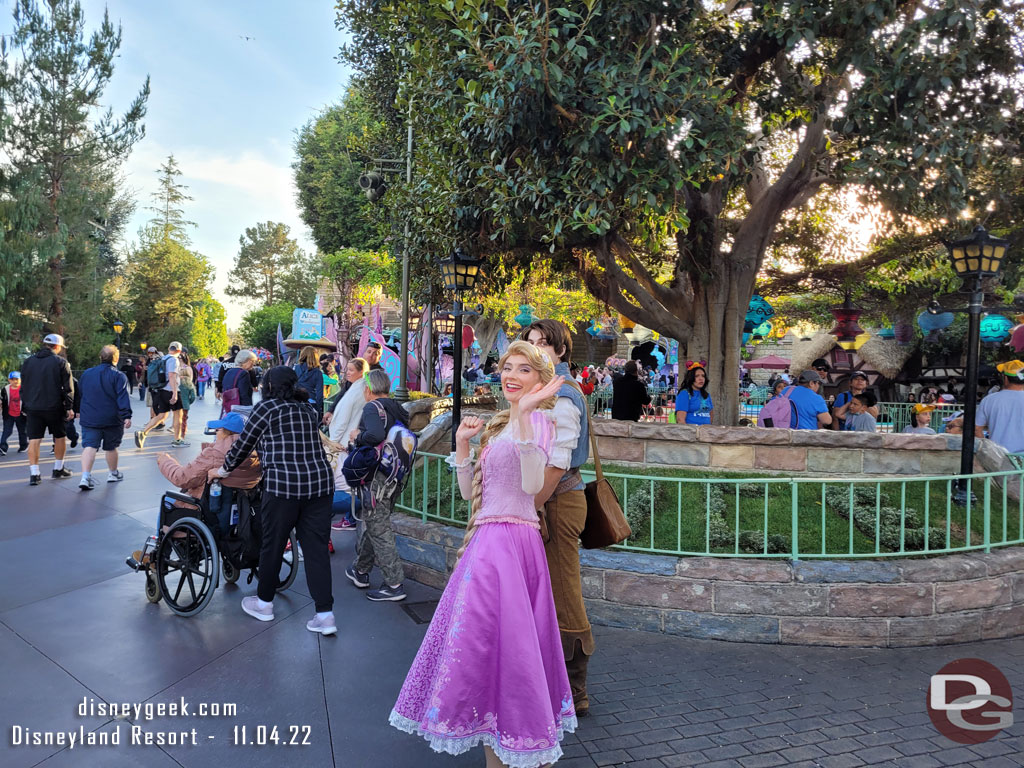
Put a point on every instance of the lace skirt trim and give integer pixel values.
(459, 745)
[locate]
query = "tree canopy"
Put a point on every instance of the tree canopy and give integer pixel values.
(61, 213)
(655, 149)
(271, 268)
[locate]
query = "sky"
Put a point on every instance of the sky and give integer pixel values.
(231, 82)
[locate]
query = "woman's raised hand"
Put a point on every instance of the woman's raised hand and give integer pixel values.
(469, 428)
(532, 399)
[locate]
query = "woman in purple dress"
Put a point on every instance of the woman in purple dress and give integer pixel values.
(490, 670)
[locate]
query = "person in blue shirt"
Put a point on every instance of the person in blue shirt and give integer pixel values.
(693, 403)
(811, 409)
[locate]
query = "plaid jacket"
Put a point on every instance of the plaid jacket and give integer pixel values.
(286, 435)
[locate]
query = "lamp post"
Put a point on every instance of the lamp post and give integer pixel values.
(118, 327)
(973, 258)
(460, 272)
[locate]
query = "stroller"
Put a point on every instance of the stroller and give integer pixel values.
(184, 559)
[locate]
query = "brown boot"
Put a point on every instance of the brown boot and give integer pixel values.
(577, 669)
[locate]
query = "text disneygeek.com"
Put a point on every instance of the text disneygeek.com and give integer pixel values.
(132, 734)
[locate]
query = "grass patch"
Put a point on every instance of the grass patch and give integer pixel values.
(672, 511)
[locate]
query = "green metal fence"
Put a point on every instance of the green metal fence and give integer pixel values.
(777, 517)
(894, 417)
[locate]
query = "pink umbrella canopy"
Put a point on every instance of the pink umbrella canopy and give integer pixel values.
(771, 361)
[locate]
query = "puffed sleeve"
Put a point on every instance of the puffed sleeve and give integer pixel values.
(533, 454)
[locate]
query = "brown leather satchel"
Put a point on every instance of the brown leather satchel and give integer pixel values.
(606, 524)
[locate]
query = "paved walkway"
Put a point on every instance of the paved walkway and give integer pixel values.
(75, 627)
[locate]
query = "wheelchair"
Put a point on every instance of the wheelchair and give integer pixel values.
(184, 560)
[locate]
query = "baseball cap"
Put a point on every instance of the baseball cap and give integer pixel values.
(858, 375)
(947, 398)
(54, 338)
(957, 415)
(174, 346)
(1014, 369)
(923, 408)
(374, 344)
(808, 376)
(152, 349)
(233, 422)
(14, 375)
(821, 362)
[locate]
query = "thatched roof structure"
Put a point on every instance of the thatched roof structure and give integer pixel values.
(806, 352)
(885, 356)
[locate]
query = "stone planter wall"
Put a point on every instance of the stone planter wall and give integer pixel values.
(862, 603)
(813, 452)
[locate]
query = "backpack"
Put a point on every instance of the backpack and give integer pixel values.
(780, 411)
(382, 470)
(241, 543)
(156, 374)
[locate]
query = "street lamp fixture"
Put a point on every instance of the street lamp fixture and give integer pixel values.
(444, 323)
(973, 259)
(460, 271)
(118, 327)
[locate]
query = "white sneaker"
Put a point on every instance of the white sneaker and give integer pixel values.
(87, 483)
(115, 477)
(251, 605)
(324, 626)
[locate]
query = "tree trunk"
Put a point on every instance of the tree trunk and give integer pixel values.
(719, 309)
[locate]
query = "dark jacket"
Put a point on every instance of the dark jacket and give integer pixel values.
(312, 380)
(372, 430)
(46, 383)
(105, 400)
(244, 381)
(129, 373)
(629, 396)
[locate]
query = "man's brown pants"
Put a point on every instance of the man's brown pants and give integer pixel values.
(565, 515)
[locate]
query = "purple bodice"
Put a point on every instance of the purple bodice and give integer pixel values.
(504, 500)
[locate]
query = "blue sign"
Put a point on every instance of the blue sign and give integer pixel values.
(307, 324)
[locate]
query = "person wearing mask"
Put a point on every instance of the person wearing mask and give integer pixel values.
(298, 487)
(375, 544)
(563, 505)
(1002, 412)
(106, 413)
(811, 409)
(48, 399)
(165, 397)
(311, 378)
(858, 386)
(629, 394)
(693, 403)
(341, 421)
(14, 416)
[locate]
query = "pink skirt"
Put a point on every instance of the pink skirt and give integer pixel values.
(490, 670)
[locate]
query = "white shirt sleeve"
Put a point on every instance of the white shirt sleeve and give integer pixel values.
(567, 432)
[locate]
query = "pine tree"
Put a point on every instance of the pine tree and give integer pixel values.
(270, 267)
(58, 154)
(170, 221)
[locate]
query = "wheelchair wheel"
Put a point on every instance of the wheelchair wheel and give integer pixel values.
(289, 566)
(187, 566)
(152, 588)
(230, 572)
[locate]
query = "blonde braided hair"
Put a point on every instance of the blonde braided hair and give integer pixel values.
(540, 363)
